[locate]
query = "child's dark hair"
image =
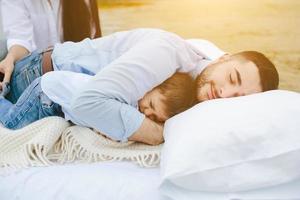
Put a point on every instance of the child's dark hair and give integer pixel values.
(180, 93)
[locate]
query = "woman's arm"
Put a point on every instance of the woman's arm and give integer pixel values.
(15, 53)
(17, 24)
(18, 30)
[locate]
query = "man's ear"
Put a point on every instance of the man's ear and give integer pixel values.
(224, 57)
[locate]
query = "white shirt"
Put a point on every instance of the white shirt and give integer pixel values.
(61, 86)
(122, 68)
(33, 24)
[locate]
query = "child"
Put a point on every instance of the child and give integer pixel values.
(173, 96)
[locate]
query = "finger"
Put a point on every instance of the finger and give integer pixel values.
(1, 76)
(1, 85)
(7, 77)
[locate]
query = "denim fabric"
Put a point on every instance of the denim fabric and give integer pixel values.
(5, 89)
(25, 72)
(26, 102)
(32, 105)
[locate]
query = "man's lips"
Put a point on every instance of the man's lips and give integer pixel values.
(213, 92)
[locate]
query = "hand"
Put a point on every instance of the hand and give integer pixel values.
(158, 135)
(6, 68)
(7, 65)
(150, 133)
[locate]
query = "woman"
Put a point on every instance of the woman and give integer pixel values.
(35, 25)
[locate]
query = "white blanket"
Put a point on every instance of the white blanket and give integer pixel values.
(53, 141)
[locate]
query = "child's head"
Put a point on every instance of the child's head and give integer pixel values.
(173, 96)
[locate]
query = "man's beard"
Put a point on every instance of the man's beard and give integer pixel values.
(202, 80)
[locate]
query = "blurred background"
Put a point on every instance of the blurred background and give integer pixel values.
(269, 26)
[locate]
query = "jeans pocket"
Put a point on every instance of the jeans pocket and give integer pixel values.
(22, 80)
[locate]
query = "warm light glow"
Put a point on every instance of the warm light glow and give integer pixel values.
(269, 26)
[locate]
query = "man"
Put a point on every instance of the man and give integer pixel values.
(239, 74)
(126, 65)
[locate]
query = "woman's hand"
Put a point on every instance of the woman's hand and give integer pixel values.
(6, 70)
(7, 65)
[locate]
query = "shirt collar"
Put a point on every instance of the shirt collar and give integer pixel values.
(207, 50)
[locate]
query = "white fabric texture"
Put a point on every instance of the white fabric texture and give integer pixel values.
(33, 24)
(54, 85)
(53, 141)
(287, 191)
(95, 181)
(234, 144)
(209, 51)
(115, 181)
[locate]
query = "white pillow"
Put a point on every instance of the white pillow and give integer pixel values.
(234, 144)
(288, 191)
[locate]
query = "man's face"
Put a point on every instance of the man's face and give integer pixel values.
(228, 77)
(152, 106)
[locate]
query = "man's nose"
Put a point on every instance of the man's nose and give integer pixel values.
(229, 91)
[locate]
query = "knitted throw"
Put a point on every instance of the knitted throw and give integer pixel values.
(53, 140)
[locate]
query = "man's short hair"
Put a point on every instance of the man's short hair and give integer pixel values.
(269, 77)
(180, 93)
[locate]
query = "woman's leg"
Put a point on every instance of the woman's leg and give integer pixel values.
(5, 105)
(25, 72)
(32, 105)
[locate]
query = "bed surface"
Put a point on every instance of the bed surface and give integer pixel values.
(107, 181)
(114, 181)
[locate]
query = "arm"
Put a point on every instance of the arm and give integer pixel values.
(149, 133)
(107, 102)
(18, 30)
(17, 24)
(7, 64)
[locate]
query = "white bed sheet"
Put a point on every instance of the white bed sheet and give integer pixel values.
(101, 181)
(115, 181)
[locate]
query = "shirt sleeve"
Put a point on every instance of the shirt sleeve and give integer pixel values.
(17, 25)
(108, 101)
(208, 49)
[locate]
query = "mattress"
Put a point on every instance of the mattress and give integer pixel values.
(115, 181)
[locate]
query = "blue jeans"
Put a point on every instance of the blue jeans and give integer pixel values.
(25, 72)
(26, 102)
